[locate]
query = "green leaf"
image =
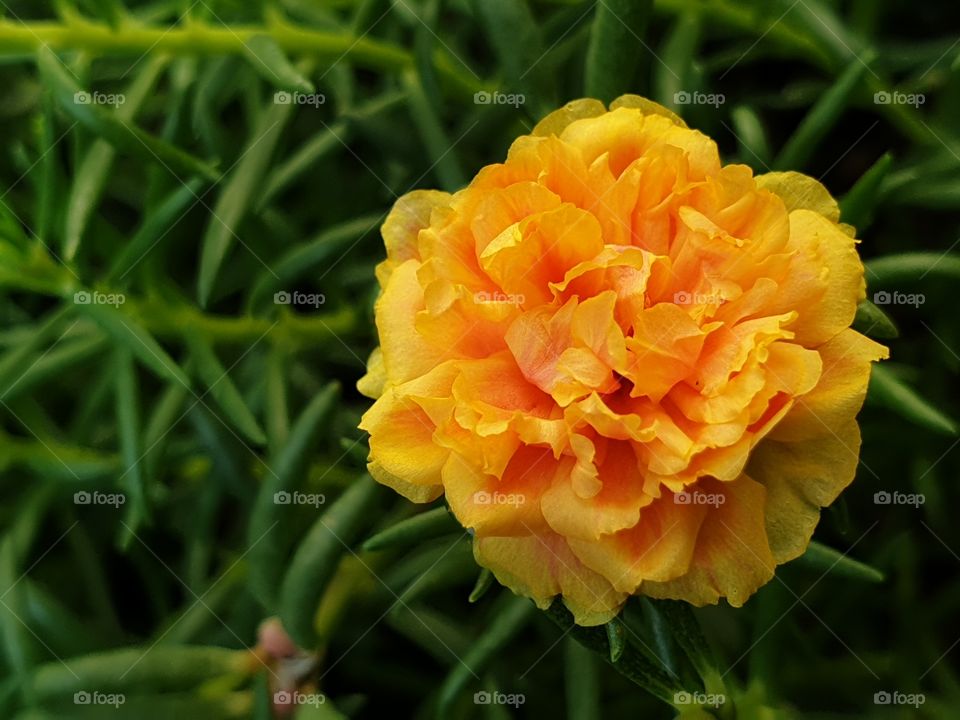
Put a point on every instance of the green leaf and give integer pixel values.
(156, 225)
(61, 358)
(823, 25)
(128, 332)
(50, 176)
(156, 668)
(316, 560)
(889, 391)
(237, 195)
(440, 149)
(904, 267)
(268, 554)
(941, 192)
(417, 529)
(218, 598)
(616, 638)
(686, 631)
(95, 167)
(321, 144)
(17, 643)
(110, 127)
(154, 706)
(640, 667)
(269, 60)
(751, 136)
(858, 205)
(827, 560)
(15, 363)
(514, 35)
(165, 415)
(511, 616)
(303, 259)
(821, 118)
(615, 48)
(110, 10)
(444, 638)
(485, 581)
(217, 380)
(674, 72)
(872, 321)
(581, 681)
(452, 569)
(128, 428)
(277, 412)
(55, 624)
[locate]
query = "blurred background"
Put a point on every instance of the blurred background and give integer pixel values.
(190, 196)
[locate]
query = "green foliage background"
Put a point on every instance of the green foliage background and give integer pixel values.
(198, 396)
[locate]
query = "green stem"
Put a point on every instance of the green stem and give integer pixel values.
(135, 39)
(289, 329)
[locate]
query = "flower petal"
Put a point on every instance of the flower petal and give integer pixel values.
(541, 567)
(732, 558)
(800, 478)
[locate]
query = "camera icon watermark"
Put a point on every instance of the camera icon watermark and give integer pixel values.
(296, 497)
(482, 497)
(85, 297)
(83, 497)
(95, 697)
(295, 697)
(496, 97)
(484, 697)
(896, 697)
(699, 498)
(882, 297)
(895, 97)
(684, 97)
(896, 497)
(83, 97)
(499, 298)
(298, 298)
(315, 100)
(682, 297)
(712, 700)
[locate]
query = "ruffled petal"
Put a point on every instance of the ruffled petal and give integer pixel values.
(659, 547)
(800, 478)
(541, 567)
(732, 558)
(838, 395)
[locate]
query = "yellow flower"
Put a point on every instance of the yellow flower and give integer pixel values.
(628, 367)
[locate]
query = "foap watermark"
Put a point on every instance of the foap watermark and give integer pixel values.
(315, 100)
(496, 97)
(682, 297)
(482, 497)
(882, 297)
(703, 699)
(483, 697)
(82, 97)
(896, 697)
(498, 298)
(85, 297)
(684, 97)
(296, 297)
(298, 498)
(895, 97)
(898, 498)
(699, 498)
(95, 697)
(96, 497)
(286, 697)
